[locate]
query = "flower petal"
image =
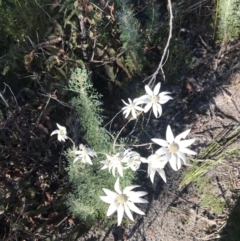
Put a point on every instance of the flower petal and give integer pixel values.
(126, 112)
(187, 151)
(182, 156)
(88, 159)
(165, 93)
(160, 142)
(157, 88)
(137, 200)
(106, 199)
(186, 143)
(126, 190)
(112, 208)
(55, 132)
(143, 160)
(173, 162)
(130, 101)
(147, 107)
(134, 114)
(120, 169)
(155, 110)
(164, 98)
(110, 193)
(61, 138)
(168, 156)
(152, 174)
(142, 100)
(138, 108)
(159, 163)
(128, 212)
(148, 90)
(76, 159)
(120, 212)
(139, 194)
(124, 103)
(117, 186)
(113, 170)
(169, 135)
(162, 151)
(182, 135)
(159, 109)
(134, 208)
(162, 174)
(92, 153)
(61, 127)
(179, 164)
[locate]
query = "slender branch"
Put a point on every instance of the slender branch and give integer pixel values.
(115, 140)
(37, 122)
(43, 10)
(110, 60)
(110, 122)
(140, 145)
(160, 66)
(18, 108)
(4, 100)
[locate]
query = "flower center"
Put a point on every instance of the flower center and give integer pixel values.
(84, 151)
(118, 158)
(61, 132)
(154, 99)
(121, 199)
(132, 106)
(173, 148)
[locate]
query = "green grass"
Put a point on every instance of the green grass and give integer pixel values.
(223, 148)
(209, 200)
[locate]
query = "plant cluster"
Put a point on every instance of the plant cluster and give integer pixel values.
(117, 161)
(109, 38)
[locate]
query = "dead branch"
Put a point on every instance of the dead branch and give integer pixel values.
(48, 42)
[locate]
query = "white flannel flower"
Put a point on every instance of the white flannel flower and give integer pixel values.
(174, 149)
(123, 201)
(134, 160)
(62, 133)
(154, 99)
(131, 107)
(156, 163)
(117, 162)
(84, 154)
(106, 163)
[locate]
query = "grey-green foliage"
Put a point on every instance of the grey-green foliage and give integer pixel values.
(152, 24)
(128, 26)
(88, 108)
(130, 35)
(88, 180)
(229, 20)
